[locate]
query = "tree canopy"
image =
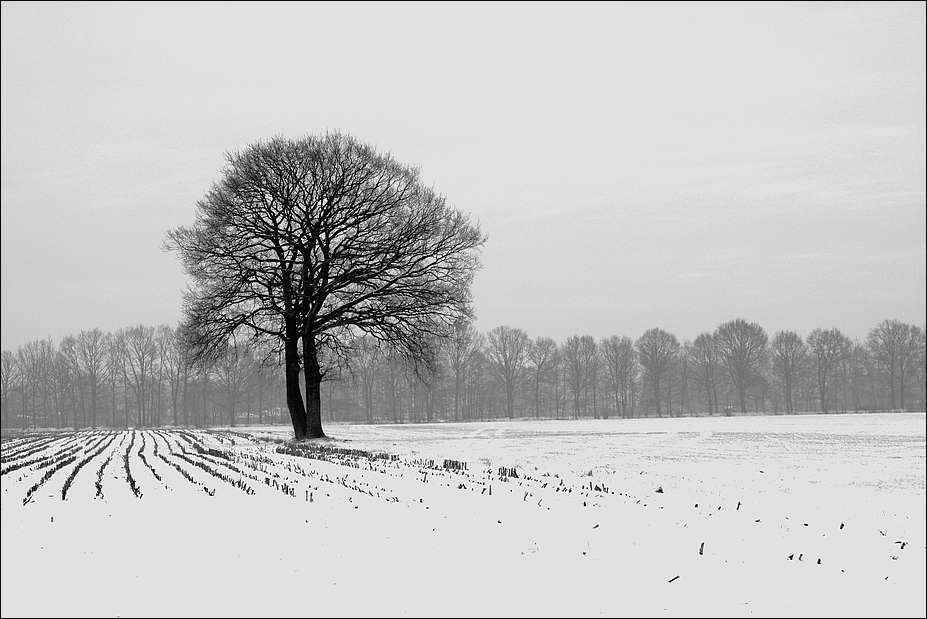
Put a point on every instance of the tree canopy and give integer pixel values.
(308, 243)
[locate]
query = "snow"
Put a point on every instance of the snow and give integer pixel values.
(400, 535)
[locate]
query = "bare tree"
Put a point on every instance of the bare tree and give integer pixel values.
(542, 354)
(264, 378)
(656, 351)
(393, 372)
(474, 388)
(232, 372)
(460, 347)
(610, 356)
(176, 368)
(827, 347)
(91, 354)
(572, 351)
(29, 356)
(629, 371)
(366, 361)
(789, 354)
(115, 368)
(894, 346)
(140, 357)
(742, 348)
(620, 363)
(507, 348)
(589, 352)
(920, 364)
(316, 240)
(910, 346)
(684, 366)
(73, 383)
(704, 360)
(45, 368)
(853, 373)
(334, 378)
(8, 379)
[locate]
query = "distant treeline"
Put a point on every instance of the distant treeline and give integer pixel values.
(139, 377)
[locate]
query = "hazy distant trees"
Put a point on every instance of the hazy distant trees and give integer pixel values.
(461, 348)
(703, 360)
(364, 363)
(789, 354)
(656, 351)
(314, 240)
(29, 357)
(684, 360)
(91, 354)
(827, 348)
(58, 388)
(894, 345)
(115, 370)
(176, 369)
(48, 385)
(507, 349)
(542, 354)
(9, 376)
(579, 356)
(233, 371)
(139, 357)
(742, 348)
(590, 353)
(620, 363)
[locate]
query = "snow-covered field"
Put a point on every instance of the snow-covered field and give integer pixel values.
(767, 516)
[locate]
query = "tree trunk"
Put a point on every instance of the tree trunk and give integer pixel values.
(294, 397)
(313, 375)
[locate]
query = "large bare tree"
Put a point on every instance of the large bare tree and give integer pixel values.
(315, 241)
(507, 348)
(656, 350)
(742, 348)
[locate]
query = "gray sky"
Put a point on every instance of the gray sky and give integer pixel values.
(633, 165)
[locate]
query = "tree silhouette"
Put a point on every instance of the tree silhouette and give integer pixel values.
(508, 350)
(742, 347)
(315, 241)
(656, 350)
(788, 358)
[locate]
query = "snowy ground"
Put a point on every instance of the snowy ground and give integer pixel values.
(764, 516)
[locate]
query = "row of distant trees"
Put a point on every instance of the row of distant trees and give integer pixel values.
(140, 377)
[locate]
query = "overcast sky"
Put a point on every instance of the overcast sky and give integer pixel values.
(633, 165)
